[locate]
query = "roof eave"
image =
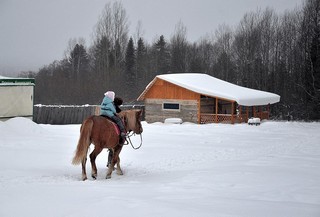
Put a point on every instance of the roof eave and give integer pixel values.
(148, 87)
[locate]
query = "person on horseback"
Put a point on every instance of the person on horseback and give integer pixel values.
(117, 103)
(109, 109)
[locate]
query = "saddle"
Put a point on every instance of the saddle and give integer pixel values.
(113, 123)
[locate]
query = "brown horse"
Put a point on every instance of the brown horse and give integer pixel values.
(102, 134)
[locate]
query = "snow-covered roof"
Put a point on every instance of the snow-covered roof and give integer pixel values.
(210, 86)
(15, 81)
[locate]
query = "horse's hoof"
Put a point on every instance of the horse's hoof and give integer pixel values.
(84, 178)
(108, 177)
(94, 176)
(120, 173)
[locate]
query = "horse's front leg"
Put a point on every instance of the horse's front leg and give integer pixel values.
(110, 155)
(119, 171)
(115, 160)
(110, 169)
(93, 157)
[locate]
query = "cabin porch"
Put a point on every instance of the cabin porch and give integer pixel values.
(216, 110)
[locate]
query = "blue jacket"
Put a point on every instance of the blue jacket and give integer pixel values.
(107, 108)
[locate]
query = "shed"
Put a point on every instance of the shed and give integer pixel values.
(16, 97)
(201, 98)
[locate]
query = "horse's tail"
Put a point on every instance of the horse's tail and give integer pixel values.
(84, 142)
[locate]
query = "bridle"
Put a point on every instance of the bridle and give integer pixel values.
(130, 134)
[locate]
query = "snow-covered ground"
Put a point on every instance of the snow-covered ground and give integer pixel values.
(181, 170)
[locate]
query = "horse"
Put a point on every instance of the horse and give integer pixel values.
(101, 132)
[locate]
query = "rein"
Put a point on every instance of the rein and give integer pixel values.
(133, 134)
(130, 134)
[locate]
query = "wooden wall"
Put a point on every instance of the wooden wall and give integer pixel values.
(164, 90)
(155, 113)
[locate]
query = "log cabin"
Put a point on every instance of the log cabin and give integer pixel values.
(201, 98)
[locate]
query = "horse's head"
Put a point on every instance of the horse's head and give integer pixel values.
(132, 120)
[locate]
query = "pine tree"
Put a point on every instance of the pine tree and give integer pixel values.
(141, 69)
(79, 61)
(130, 63)
(162, 56)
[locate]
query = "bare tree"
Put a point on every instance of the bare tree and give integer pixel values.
(179, 48)
(223, 66)
(110, 41)
(138, 33)
(120, 31)
(311, 43)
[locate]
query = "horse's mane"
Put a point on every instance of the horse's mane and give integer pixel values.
(130, 115)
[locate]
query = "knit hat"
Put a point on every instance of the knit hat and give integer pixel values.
(110, 95)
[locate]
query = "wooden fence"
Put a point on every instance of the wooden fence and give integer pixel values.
(73, 114)
(206, 118)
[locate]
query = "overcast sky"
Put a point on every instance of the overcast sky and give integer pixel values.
(34, 33)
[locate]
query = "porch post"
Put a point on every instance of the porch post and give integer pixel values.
(247, 110)
(240, 113)
(216, 119)
(260, 112)
(199, 110)
(232, 110)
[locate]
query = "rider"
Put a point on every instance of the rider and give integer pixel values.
(117, 103)
(108, 109)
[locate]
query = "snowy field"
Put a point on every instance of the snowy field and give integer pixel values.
(271, 170)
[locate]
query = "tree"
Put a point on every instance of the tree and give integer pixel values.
(130, 71)
(223, 66)
(120, 31)
(79, 62)
(246, 49)
(179, 48)
(162, 56)
(110, 41)
(142, 64)
(311, 43)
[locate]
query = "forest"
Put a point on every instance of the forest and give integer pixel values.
(274, 52)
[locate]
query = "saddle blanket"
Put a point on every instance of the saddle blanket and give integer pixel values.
(114, 124)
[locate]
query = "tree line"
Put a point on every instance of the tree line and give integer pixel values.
(279, 53)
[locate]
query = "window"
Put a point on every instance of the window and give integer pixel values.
(171, 106)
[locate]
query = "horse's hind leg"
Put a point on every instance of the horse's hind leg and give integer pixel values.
(84, 174)
(93, 157)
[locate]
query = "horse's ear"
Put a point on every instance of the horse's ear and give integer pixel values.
(125, 115)
(139, 113)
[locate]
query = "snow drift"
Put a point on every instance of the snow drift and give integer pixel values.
(181, 170)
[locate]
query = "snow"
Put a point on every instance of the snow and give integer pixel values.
(4, 77)
(255, 121)
(7, 81)
(180, 170)
(211, 86)
(173, 121)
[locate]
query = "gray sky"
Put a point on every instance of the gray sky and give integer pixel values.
(34, 33)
